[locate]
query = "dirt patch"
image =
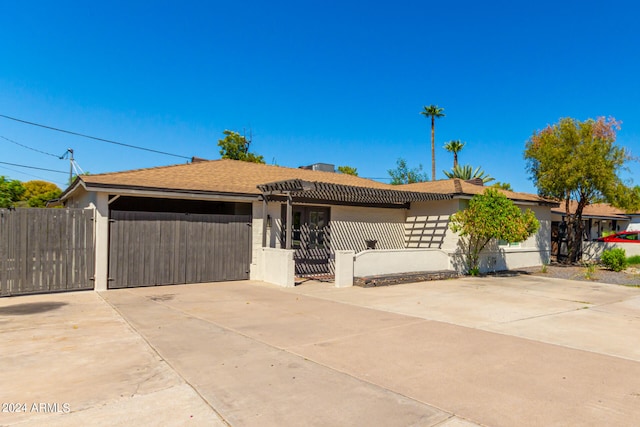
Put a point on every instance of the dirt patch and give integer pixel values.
(628, 277)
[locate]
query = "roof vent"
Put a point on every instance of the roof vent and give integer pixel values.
(324, 167)
(195, 159)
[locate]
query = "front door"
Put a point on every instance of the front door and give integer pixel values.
(310, 238)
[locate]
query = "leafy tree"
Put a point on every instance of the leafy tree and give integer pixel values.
(466, 172)
(434, 112)
(454, 147)
(235, 146)
(403, 175)
(490, 215)
(10, 192)
(579, 161)
(502, 186)
(348, 170)
(37, 193)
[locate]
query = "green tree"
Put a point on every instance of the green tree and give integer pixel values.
(490, 215)
(403, 175)
(454, 147)
(235, 146)
(38, 193)
(10, 192)
(466, 172)
(502, 186)
(579, 161)
(434, 112)
(348, 170)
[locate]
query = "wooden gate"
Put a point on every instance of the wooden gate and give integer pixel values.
(161, 248)
(45, 250)
(313, 253)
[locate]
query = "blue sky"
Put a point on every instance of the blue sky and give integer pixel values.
(338, 82)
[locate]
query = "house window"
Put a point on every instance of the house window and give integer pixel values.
(308, 229)
(504, 243)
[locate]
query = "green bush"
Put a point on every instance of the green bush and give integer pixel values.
(614, 259)
(633, 260)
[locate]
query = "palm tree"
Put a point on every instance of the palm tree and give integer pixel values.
(466, 173)
(433, 111)
(454, 147)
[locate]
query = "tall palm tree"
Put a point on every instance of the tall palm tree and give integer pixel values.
(454, 147)
(434, 112)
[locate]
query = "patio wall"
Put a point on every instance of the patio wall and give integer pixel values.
(276, 266)
(394, 261)
(592, 251)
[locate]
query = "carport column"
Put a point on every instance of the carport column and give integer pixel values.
(344, 268)
(101, 272)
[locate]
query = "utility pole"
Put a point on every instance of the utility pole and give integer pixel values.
(70, 151)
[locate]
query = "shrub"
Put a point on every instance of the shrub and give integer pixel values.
(633, 260)
(614, 259)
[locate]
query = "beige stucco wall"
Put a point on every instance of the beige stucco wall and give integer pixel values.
(592, 251)
(82, 199)
(427, 224)
(534, 251)
(351, 226)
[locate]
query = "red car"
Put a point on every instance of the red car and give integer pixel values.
(623, 236)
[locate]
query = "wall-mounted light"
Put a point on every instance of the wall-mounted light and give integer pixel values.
(269, 221)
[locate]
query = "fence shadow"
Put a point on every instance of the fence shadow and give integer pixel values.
(31, 308)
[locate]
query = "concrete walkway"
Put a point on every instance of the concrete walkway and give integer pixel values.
(491, 351)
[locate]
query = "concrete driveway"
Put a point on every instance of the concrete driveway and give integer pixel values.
(488, 351)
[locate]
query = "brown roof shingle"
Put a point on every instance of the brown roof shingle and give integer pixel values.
(602, 210)
(237, 177)
(226, 176)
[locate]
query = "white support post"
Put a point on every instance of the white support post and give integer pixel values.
(344, 268)
(101, 272)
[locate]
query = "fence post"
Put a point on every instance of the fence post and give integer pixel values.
(101, 216)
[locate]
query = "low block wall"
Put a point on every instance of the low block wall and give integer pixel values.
(393, 261)
(592, 251)
(503, 259)
(278, 267)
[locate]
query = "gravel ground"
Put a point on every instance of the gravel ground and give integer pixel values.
(628, 277)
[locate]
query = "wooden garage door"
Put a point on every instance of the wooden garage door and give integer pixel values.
(158, 248)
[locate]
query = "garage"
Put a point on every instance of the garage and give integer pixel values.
(166, 242)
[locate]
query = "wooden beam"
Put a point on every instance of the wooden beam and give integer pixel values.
(289, 221)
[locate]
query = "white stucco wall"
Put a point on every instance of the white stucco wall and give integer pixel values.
(427, 224)
(534, 251)
(394, 261)
(592, 251)
(352, 226)
(634, 223)
(276, 266)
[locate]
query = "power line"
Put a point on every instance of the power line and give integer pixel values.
(94, 137)
(23, 173)
(30, 148)
(32, 167)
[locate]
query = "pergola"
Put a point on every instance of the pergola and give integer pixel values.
(300, 191)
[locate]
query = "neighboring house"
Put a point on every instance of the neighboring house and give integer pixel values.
(228, 220)
(598, 218)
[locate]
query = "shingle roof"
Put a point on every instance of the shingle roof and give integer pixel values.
(598, 210)
(459, 186)
(236, 177)
(225, 176)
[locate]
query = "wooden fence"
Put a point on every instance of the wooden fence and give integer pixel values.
(45, 250)
(162, 248)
